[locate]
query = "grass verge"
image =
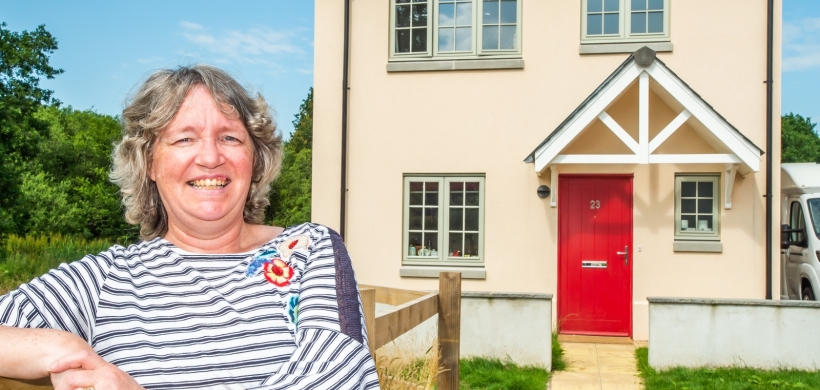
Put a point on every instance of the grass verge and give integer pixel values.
(558, 362)
(25, 258)
(729, 378)
(480, 373)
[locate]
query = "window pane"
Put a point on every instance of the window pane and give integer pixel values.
(814, 214)
(611, 5)
(655, 4)
(416, 198)
(705, 189)
(471, 185)
(638, 22)
(687, 206)
(419, 39)
(446, 15)
(705, 206)
(456, 220)
(471, 244)
(490, 12)
(403, 42)
(464, 14)
(594, 24)
(687, 189)
(430, 218)
(638, 5)
(687, 223)
(705, 223)
(456, 186)
(402, 1)
(431, 198)
(446, 41)
(655, 22)
(415, 218)
(415, 240)
(431, 186)
(402, 16)
(471, 199)
(457, 198)
(419, 15)
(471, 220)
(594, 5)
(489, 38)
(431, 244)
(611, 24)
(455, 248)
(508, 11)
(464, 38)
(416, 186)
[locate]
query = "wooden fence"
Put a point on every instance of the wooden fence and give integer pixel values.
(414, 307)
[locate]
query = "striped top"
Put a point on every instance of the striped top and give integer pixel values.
(286, 316)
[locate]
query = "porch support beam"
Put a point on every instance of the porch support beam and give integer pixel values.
(643, 117)
(694, 159)
(554, 183)
(619, 131)
(595, 159)
(669, 129)
(729, 184)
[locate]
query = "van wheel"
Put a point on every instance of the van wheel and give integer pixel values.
(808, 295)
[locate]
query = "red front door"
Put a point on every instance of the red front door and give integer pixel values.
(594, 271)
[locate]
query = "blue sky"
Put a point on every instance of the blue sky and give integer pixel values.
(108, 47)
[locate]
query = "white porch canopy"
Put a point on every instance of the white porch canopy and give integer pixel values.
(738, 153)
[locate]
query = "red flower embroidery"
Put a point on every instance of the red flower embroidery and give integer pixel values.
(293, 244)
(278, 272)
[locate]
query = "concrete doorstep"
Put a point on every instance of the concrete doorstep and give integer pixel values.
(594, 366)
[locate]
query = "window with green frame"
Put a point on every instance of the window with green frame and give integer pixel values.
(443, 220)
(454, 29)
(611, 21)
(697, 207)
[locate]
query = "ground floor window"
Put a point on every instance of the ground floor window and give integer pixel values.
(697, 212)
(443, 220)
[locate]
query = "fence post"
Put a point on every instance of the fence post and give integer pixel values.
(449, 328)
(369, 305)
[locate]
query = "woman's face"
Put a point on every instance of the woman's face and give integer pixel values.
(202, 164)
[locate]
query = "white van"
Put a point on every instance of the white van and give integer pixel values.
(800, 231)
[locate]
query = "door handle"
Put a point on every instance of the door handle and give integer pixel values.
(625, 254)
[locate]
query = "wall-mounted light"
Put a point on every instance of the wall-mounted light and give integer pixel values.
(543, 191)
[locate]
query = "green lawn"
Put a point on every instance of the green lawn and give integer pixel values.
(732, 378)
(494, 374)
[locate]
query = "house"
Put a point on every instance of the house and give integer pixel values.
(603, 151)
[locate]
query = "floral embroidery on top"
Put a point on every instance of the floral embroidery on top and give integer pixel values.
(259, 261)
(278, 272)
(298, 242)
(293, 309)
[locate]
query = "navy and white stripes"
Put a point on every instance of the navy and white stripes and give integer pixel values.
(178, 320)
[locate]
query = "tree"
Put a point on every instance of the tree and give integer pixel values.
(290, 193)
(23, 61)
(799, 139)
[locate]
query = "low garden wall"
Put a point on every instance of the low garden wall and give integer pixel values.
(502, 325)
(734, 332)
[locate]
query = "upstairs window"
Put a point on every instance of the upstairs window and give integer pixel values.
(454, 29)
(610, 21)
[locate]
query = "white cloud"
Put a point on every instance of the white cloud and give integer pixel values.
(801, 45)
(253, 45)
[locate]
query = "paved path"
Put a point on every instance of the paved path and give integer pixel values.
(597, 367)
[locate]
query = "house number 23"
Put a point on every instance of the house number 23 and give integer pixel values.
(594, 204)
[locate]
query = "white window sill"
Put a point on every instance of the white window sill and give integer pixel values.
(427, 66)
(698, 246)
(624, 47)
(415, 271)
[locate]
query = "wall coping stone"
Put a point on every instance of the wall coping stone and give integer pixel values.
(732, 302)
(504, 295)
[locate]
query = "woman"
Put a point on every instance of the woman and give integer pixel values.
(210, 298)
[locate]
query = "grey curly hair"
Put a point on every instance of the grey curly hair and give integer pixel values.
(153, 107)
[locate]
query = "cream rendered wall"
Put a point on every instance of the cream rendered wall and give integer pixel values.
(488, 121)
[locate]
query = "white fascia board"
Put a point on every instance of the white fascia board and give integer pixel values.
(596, 159)
(694, 159)
(545, 154)
(747, 153)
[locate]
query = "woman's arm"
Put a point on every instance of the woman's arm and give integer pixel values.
(28, 353)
